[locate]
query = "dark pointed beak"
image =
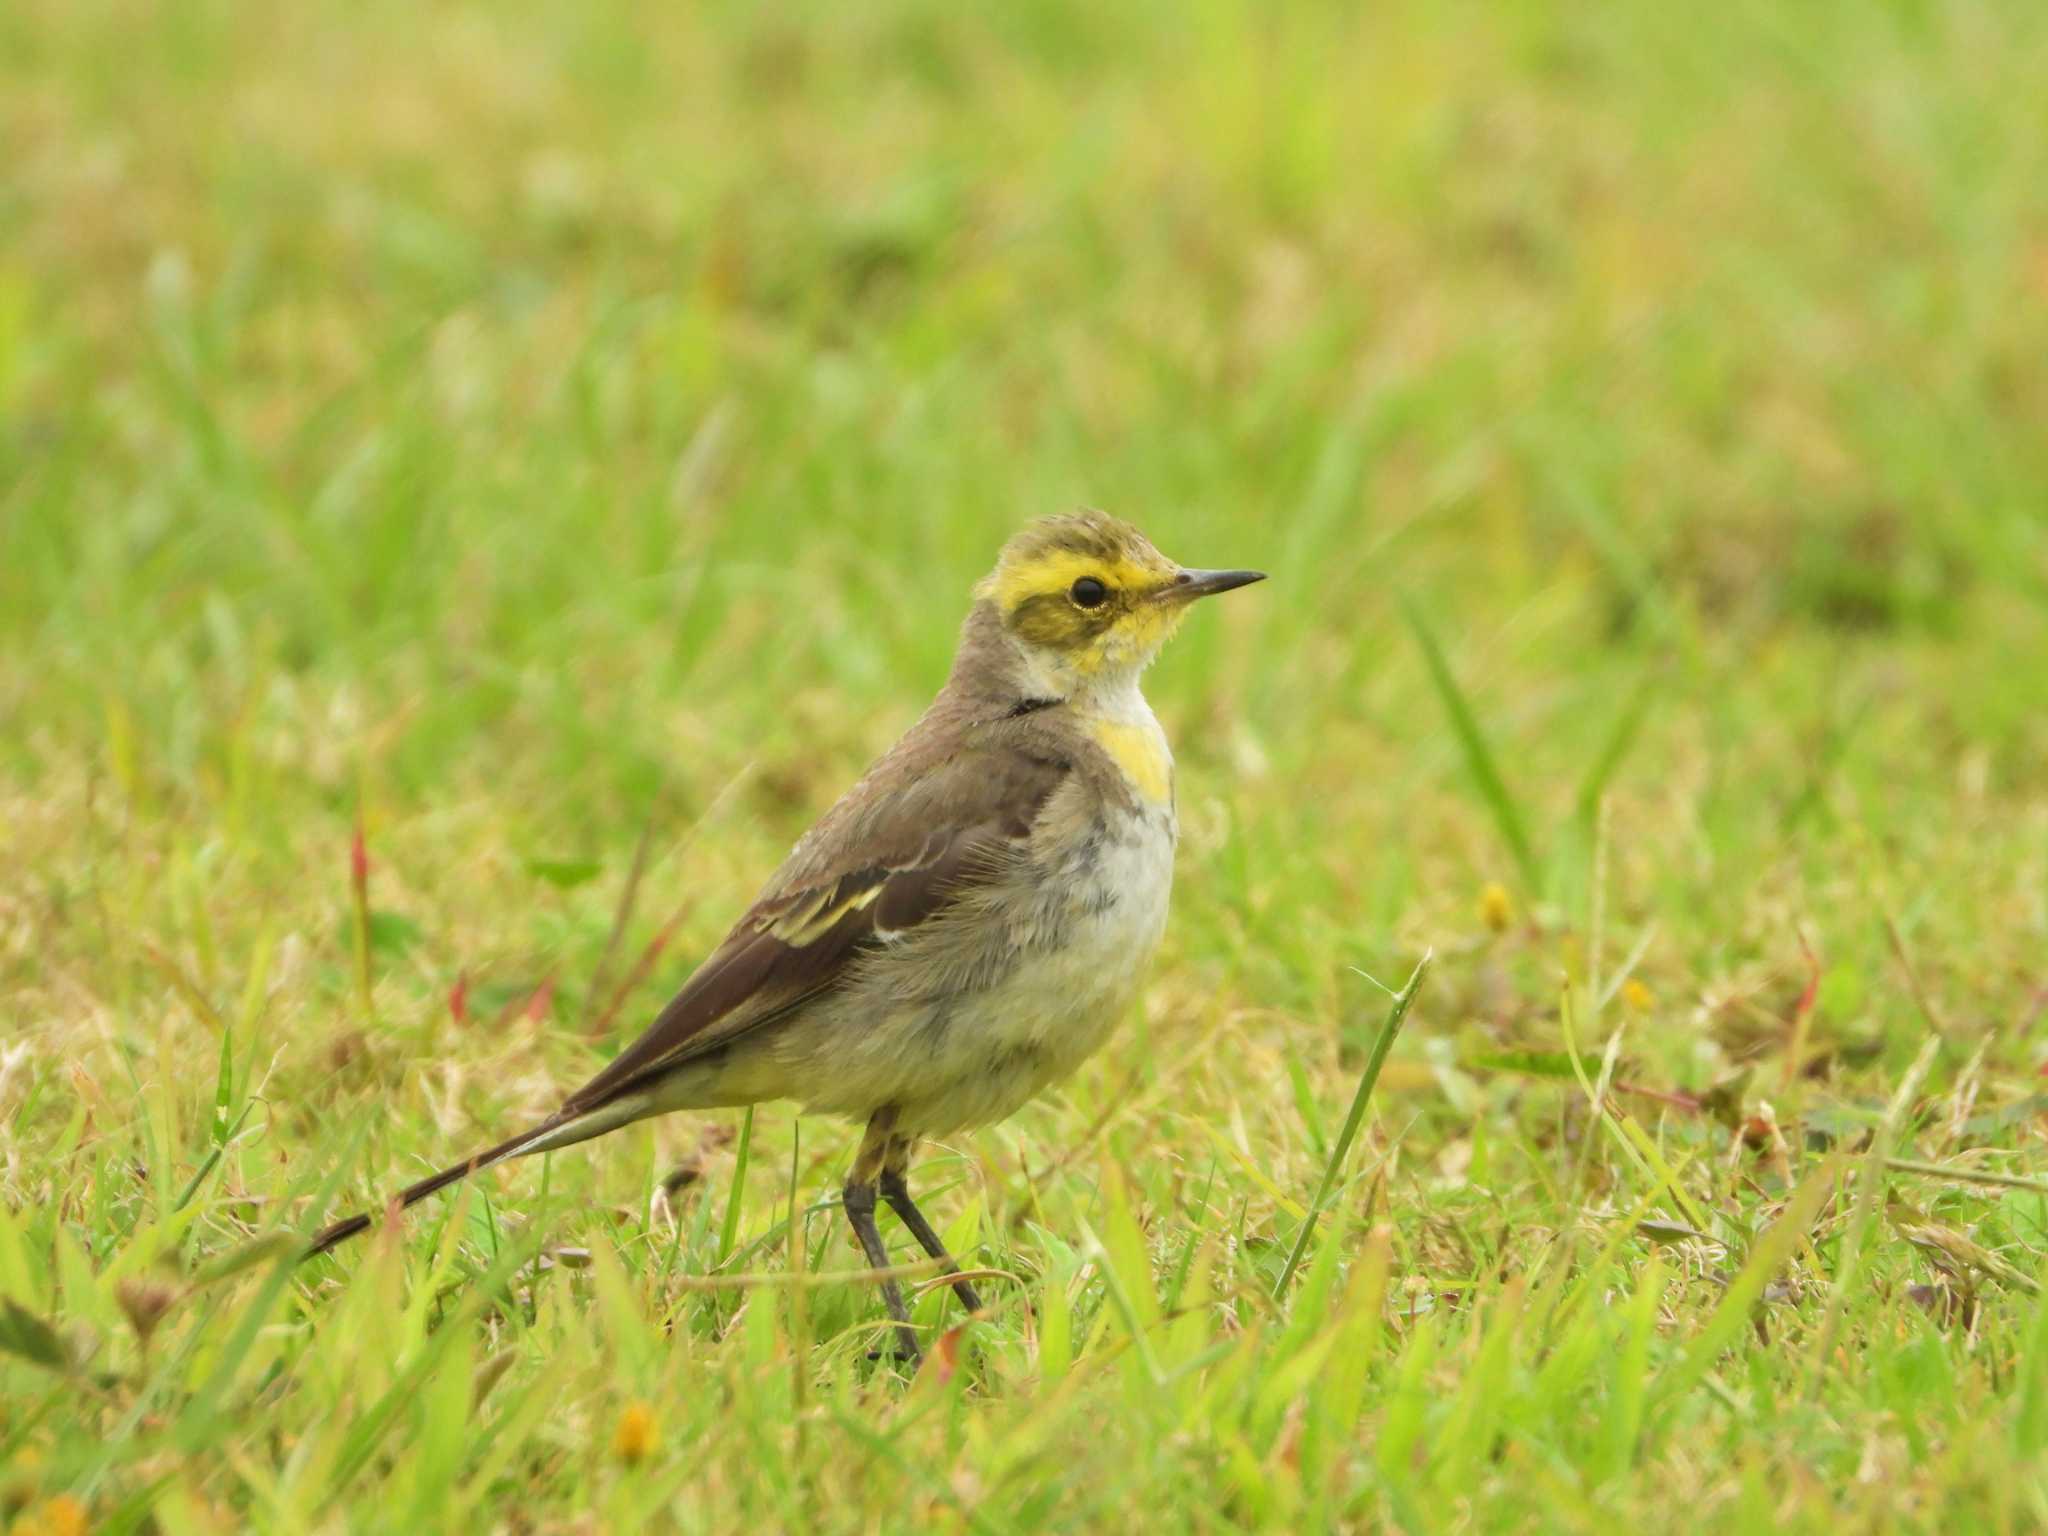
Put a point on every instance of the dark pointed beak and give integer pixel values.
(1193, 584)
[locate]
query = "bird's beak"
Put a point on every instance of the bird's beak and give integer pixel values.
(1189, 585)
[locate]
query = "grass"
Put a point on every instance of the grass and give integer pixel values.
(554, 442)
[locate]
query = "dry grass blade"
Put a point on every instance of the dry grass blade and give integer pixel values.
(1966, 1175)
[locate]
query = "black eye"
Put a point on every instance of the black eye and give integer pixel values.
(1089, 593)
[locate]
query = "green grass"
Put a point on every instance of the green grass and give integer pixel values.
(528, 430)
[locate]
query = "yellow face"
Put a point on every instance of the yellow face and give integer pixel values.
(1089, 595)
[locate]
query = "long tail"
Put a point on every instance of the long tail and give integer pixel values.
(556, 1131)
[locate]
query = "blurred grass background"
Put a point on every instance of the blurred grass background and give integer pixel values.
(530, 429)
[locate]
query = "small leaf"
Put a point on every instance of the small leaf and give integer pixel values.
(489, 1374)
(393, 932)
(23, 1333)
(389, 932)
(1529, 1063)
(564, 874)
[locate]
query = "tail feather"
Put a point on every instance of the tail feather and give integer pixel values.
(559, 1130)
(412, 1194)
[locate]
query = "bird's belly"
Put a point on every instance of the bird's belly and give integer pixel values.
(1037, 994)
(1059, 1002)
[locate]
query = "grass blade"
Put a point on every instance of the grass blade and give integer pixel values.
(223, 1089)
(729, 1229)
(213, 1157)
(1493, 789)
(1620, 741)
(1397, 1015)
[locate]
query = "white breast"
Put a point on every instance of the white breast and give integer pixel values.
(1058, 1004)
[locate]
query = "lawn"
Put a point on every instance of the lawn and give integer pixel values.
(476, 481)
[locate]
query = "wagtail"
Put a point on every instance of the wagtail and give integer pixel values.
(970, 920)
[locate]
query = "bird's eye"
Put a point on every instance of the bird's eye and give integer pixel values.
(1089, 593)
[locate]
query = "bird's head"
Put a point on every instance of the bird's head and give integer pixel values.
(1088, 601)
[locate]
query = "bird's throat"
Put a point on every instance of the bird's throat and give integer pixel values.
(1138, 748)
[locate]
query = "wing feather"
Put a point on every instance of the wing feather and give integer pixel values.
(877, 866)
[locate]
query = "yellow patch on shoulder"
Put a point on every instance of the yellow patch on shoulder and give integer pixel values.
(1141, 754)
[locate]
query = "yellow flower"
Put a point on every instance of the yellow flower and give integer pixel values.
(1636, 997)
(1496, 907)
(634, 1437)
(61, 1516)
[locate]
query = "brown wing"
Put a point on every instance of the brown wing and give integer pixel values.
(877, 865)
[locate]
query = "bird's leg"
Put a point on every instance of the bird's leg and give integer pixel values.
(897, 1193)
(859, 1200)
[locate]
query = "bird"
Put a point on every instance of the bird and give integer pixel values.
(967, 924)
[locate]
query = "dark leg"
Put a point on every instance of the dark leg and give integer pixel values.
(897, 1193)
(859, 1199)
